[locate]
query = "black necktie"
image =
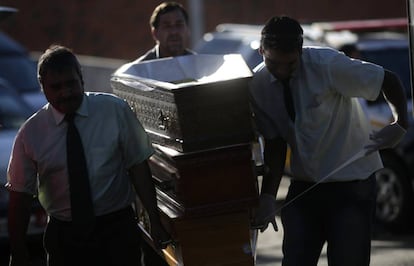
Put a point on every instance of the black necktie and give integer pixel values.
(83, 217)
(287, 94)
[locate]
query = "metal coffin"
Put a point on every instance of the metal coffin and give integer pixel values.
(189, 103)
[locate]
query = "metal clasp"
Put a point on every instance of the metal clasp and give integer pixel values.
(163, 121)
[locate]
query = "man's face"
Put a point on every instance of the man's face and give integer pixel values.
(280, 64)
(172, 34)
(63, 89)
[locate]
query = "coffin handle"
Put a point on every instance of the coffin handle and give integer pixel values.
(163, 121)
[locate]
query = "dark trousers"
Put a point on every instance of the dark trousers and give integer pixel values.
(340, 214)
(116, 241)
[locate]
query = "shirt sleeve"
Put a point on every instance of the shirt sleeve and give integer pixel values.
(262, 110)
(263, 123)
(356, 78)
(135, 141)
(22, 172)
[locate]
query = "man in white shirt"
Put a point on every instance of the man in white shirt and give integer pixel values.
(116, 149)
(306, 97)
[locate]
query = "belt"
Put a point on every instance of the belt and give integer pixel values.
(113, 216)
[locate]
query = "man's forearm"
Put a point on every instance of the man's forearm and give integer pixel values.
(141, 178)
(394, 93)
(275, 156)
(18, 220)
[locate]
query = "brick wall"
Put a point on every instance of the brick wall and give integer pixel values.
(119, 29)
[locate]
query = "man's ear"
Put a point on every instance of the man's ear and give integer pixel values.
(154, 34)
(261, 50)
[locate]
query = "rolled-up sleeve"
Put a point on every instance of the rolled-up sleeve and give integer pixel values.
(21, 173)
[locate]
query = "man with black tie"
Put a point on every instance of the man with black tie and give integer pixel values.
(86, 146)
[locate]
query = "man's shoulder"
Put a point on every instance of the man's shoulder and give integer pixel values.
(318, 53)
(149, 55)
(152, 54)
(40, 121)
(98, 98)
(105, 105)
(318, 49)
(190, 52)
(260, 74)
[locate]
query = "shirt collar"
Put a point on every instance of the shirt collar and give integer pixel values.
(157, 51)
(82, 111)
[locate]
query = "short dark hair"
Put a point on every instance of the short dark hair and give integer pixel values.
(282, 33)
(164, 8)
(348, 48)
(57, 57)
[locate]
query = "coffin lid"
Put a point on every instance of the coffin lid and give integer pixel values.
(182, 71)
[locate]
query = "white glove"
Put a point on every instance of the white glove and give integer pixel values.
(387, 137)
(266, 213)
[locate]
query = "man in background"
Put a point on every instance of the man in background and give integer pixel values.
(170, 31)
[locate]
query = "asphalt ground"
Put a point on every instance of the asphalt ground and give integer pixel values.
(388, 249)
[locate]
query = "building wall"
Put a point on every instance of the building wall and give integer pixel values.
(119, 29)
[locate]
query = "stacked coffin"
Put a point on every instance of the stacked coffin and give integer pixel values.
(195, 110)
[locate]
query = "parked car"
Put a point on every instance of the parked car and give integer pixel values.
(243, 39)
(6, 11)
(20, 97)
(13, 112)
(17, 67)
(395, 190)
(20, 70)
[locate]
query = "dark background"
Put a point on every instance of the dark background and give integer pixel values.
(120, 29)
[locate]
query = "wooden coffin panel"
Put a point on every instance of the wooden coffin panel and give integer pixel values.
(213, 179)
(219, 240)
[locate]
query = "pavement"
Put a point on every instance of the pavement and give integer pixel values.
(387, 249)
